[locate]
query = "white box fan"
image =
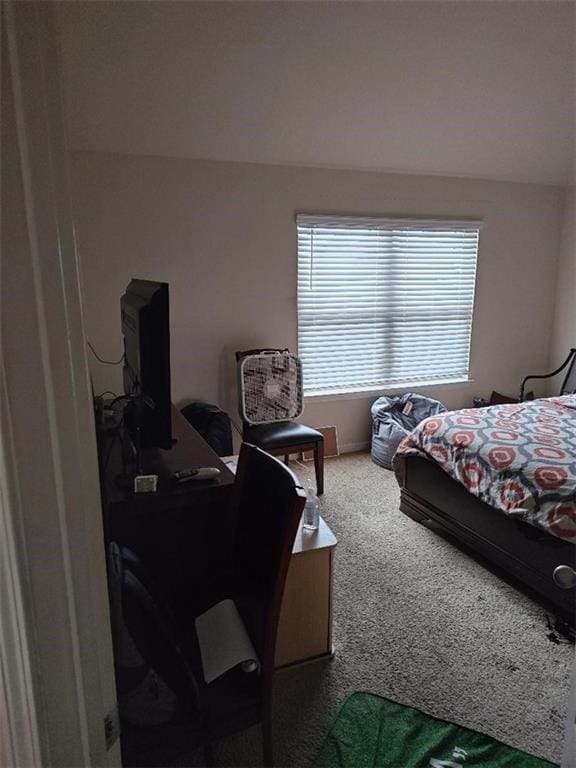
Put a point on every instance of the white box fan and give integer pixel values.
(270, 387)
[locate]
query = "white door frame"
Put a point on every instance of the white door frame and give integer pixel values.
(56, 662)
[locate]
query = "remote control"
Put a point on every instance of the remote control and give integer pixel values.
(201, 473)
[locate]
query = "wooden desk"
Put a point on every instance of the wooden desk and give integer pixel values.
(182, 533)
(189, 451)
(305, 628)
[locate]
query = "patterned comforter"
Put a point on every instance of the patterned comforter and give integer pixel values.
(520, 459)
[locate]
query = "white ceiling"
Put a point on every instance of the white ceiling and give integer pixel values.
(465, 88)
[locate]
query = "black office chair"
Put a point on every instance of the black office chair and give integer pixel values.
(568, 385)
(281, 438)
(268, 504)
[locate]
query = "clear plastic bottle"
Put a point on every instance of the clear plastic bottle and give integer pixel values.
(311, 511)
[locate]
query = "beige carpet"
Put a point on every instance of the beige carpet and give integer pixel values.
(420, 622)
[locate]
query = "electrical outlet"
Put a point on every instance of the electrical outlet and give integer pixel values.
(111, 727)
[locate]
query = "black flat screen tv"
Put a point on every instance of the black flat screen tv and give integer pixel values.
(146, 331)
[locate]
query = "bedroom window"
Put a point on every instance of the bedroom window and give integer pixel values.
(384, 302)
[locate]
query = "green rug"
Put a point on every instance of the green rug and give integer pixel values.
(372, 731)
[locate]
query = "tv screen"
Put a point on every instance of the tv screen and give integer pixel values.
(146, 332)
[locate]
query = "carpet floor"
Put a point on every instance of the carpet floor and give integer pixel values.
(420, 622)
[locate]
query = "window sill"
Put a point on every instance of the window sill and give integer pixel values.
(325, 396)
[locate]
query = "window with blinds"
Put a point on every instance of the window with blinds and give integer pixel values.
(384, 302)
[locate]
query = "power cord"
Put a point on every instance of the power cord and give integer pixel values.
(116, 432)
(236, 427)
(101, 360)
(134, 398)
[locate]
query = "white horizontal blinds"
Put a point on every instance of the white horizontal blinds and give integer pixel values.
(384, 301)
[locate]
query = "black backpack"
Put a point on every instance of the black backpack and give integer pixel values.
(212, 424)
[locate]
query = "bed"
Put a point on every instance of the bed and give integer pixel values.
(501, 481)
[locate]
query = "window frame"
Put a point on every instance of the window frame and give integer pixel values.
(468, 230)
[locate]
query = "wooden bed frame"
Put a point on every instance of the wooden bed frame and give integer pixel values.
(527, 554)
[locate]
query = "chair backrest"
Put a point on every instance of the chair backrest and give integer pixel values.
(153, 630)
(246, 352)
(269, 502)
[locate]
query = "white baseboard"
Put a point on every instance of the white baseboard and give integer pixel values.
(346, 448)
(353, 447)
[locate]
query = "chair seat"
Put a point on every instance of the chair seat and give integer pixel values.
(280, 434)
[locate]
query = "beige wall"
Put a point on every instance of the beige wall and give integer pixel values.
(564, 334)
(223, 235)
(475, 89)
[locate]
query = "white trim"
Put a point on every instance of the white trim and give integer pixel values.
(377, 222)
(19, 735)
(449, 384)
(57, 621)
(20, 742)
(55, 437)
(355, 447)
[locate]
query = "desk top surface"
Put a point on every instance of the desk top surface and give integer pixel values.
(306, 541)
(190, 451)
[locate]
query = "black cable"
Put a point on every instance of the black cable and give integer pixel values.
(106, 362)
(113, 439)
(236, 427)
(113, 435)
(136, 398)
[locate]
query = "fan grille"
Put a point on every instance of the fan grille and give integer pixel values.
(270, 387)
